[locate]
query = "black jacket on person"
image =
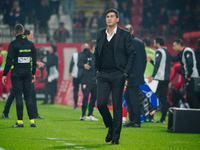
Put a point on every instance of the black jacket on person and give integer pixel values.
(140, 63)
(124, 54)
(21, 56)
(88, 76)
(197, 55)
(52, 60)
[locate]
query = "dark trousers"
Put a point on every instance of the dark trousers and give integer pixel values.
(161, 93)
(107, 82)
(76, 83)
(132, 99)
(50, 89)
(21, 83)
(192, 96)
(90, 88)
(33, 95)
(11, 99)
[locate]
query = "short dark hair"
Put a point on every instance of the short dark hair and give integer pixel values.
(147, 41)
(18, 28)
(93, 43)
(198, 42)
(54, 47)
(179, 42)
(112, 10)
(160, 41)
(129, 29)
(27, 32)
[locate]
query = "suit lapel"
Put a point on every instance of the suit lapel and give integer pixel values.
(102, 38)
(117, 37)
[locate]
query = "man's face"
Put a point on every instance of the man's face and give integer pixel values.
(30, 36)
(176, 47)
(155, 44)
(50, 49)
(111, 19)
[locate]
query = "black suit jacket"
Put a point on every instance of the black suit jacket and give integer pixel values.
(140, 63)
(123, 50)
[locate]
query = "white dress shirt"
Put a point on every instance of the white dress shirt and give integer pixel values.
(109, 37)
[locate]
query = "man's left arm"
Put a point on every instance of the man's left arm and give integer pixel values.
(33, 63)
(130, 53)
(190, 63)
(33, 60)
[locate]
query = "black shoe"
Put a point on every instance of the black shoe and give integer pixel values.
(38, 117)
(18, 125)
(33, 124)
(5, 115)
(131, 124)
(109, 135)
(115, 142)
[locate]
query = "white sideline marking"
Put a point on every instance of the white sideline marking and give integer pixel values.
(52, 138)
(79, 147)
(69, 144)
(60, 141)
(1, 148)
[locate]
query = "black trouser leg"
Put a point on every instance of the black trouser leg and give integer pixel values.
(103, 92)
(53, 90)
(128, 102)
(26, 86)
(176, 96)
(162, 90)
(133, 103)
(111, 82)
(92, 99)
(9, 101)
(33, 95)
(86, 92)
(17, 90)
(76, 82)
(192, 97)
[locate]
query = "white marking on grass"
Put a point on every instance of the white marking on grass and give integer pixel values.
(52, 138)
(1, 148)
(69, 144)
(60, 141)
(79, 147)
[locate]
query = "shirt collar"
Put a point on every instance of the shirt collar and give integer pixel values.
(114, 31)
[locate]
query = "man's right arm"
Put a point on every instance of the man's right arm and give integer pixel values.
(71, 65)
(97, 54)
(158, 58)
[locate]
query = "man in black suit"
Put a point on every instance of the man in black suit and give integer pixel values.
(133, 90)
(114, 58)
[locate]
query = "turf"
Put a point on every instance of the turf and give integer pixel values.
(61, 129)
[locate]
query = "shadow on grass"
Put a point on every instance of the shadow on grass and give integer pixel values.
(91, 146)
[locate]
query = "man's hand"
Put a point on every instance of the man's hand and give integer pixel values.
(150, 79)
(33, 78)
(40, 64)
(86, 66)
(70, 78)
(148, 58)
(4, 79)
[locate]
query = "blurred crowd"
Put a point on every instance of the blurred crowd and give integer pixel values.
(175, 17)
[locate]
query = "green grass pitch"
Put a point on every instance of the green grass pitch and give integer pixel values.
(61, 129)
